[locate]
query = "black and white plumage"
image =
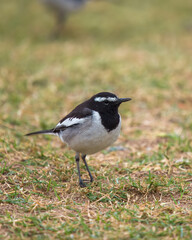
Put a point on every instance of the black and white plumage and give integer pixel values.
(62, 9)
(91, 127)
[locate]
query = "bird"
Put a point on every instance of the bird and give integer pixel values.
(62, 9)
(90, 127)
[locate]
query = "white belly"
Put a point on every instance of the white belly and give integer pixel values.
(90, 137)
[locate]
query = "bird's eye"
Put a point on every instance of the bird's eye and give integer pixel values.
(106, 102)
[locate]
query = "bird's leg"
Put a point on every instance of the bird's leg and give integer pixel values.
(81, 183)
(91, 177)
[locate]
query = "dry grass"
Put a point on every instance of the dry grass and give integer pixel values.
(143, 184)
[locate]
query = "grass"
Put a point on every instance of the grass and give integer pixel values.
(143, 184)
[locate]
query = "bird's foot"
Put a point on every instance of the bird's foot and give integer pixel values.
(86, 180)
(91, 179)
(82, 184)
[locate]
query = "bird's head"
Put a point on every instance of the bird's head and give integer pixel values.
(106, 102)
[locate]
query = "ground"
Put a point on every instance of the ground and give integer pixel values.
(143, 183)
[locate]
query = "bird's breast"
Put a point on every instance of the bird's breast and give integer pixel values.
(91, 136)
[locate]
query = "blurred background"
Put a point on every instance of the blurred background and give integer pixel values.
(134, 48)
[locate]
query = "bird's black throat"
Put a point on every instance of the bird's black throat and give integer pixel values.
(110, 120)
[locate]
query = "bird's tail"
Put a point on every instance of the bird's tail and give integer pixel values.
(50, 131)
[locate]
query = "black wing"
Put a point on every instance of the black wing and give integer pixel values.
(80, 112)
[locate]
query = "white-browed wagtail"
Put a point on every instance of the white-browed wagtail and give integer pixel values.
(91, 127)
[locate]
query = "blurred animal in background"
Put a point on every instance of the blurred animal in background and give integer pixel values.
(62, 9)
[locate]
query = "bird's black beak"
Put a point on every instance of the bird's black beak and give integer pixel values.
(121, 100)
(124, 99)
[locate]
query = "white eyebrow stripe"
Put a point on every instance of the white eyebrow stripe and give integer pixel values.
(71, 121)
(102, 99)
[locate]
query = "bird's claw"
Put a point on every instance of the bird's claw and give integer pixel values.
(82, 184)
(91, 179)
(86, 180)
